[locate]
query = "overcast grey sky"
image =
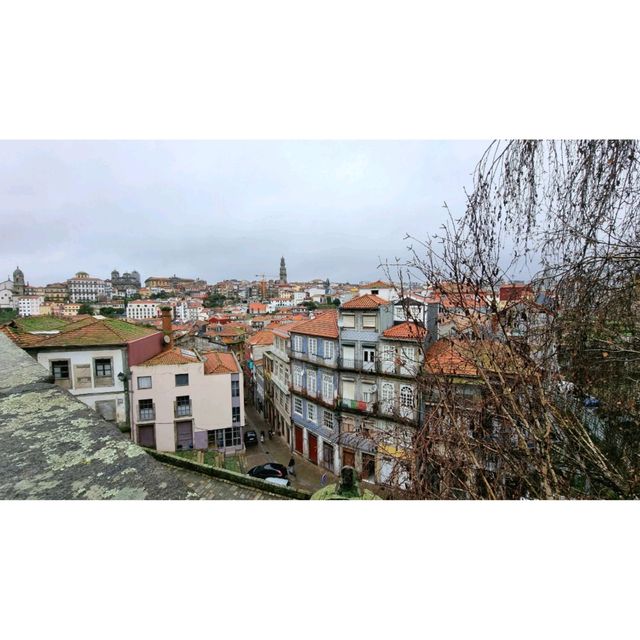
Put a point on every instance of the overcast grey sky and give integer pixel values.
(220, 210)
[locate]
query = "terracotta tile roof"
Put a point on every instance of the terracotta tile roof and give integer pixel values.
(405, 331)
(284, 329)
(457, 356)
(324, 325)
(261, 337)
(171, 356)
(94, 332)
(367, 301)
(217, 362)
(378, 284)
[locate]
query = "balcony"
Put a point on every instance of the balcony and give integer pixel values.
(146, 414)
(182, 409)
(312, 358)
(358, 406)
(385, 367)
(329, 403)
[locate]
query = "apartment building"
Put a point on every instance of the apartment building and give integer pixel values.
(182, 400)
(314, 389)
(28, 305)
(85, 288)
(144, 309)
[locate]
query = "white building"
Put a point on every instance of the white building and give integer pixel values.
(85, 288)
(6, 295)
(144, 309)
(29, 305)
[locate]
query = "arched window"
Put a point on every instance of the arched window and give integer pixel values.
(406, 396)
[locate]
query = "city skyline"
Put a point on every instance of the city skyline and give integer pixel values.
(221, 210)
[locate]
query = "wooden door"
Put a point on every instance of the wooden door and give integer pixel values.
(348, 458)
(298, 440)
(184, 435)
(313, 448)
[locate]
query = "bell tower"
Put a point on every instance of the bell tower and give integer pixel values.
(283, 271)
(18, 282)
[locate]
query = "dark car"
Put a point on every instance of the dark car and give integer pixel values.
(269, 470)
(250, 438)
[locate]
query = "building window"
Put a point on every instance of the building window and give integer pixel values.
(297, 343)
(297, 377)
(311, 383)
(182, 379)
(235, 414)
(235, 388)
(327, 388)
(349, 321)
(311, 412)
(328, 350)
(297, 406)
(144, 382)
(327, 419)
(60, 369)
(406, 397)
(312, 346)
(368, 322)
(183, 406)
(103, 368)
(146, 410)
(220, 438)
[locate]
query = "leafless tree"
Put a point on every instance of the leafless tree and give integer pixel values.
(504, 396)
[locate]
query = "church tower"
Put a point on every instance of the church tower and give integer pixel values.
(283, 271)
(18, 282)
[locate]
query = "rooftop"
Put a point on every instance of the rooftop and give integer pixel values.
(405, 331)
(171, 356)
(218, 362)
(367, 301)
(324, 325)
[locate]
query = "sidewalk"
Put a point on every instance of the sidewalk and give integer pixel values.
(308, 475)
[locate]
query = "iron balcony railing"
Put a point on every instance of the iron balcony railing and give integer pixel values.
(147, 413)
(390, 367)
(319, 398)
(182, 409)
(311, 357)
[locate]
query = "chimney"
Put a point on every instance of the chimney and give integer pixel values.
(433, 309)
(166, 326)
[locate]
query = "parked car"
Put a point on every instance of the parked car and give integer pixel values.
(250, 438)
(281, 482)
(269, 470)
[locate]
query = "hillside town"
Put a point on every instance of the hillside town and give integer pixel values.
(328, 371)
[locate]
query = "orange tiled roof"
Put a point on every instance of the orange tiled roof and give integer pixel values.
(367, 301)
(405, 331)
(378, 284)
(262, 337)
(457, 356)
(324, 325)
(217, 362)
(170, 356)
(94, 332)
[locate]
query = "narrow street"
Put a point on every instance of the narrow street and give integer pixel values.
(309, 477)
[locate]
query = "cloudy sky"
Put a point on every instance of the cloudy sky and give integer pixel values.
(220, 210)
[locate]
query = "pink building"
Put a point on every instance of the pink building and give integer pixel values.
(183, 400)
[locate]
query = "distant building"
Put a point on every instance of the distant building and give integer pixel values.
(126, 284)
(18, 282)
(283, 271)
(85, 288)
(56, 292)
(6, 294)
(144, 309)
(29, 305)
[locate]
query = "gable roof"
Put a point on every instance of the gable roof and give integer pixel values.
(405, 331)
(217, 362)
(261, 338)
(378, 284)
(367, 301)
(324, 325)
(171, 356)
(85, 332)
